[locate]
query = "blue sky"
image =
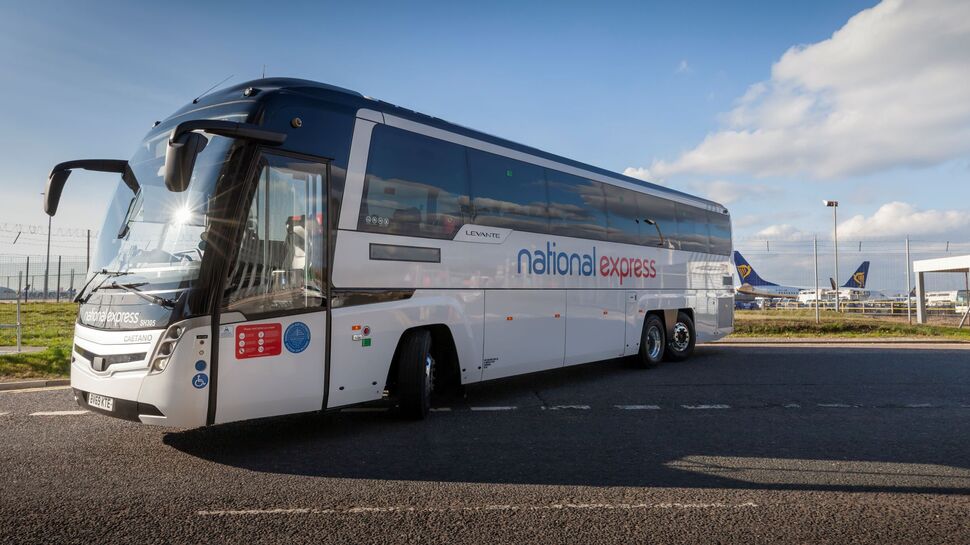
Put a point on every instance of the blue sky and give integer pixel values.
(700, 96)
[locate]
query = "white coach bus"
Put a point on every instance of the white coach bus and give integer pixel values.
(285, 246)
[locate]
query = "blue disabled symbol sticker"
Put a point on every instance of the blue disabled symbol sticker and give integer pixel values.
(297, 337)
(200, 380)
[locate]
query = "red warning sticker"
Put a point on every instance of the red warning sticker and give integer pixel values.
(258, 340)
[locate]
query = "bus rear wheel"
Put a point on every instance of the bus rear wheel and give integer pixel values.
(653, 342)
(681, 343)
(415, 374)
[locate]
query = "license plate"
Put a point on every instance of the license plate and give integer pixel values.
(101, 402)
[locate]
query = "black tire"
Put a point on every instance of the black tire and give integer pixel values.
(681, 343)
(415, 374)
(653, 342)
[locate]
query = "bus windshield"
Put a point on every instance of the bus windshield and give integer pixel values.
(154, 239)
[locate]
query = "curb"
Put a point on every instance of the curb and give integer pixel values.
(26, 384)
(831, 340)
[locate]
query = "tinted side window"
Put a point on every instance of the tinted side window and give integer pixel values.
(662, 212)
(623, 216)
(720, 231)
(692, 228)
(507, 193)
(577, 206)
(415, 185)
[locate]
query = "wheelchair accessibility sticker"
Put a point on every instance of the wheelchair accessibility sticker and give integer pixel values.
(297, 337)
(200, 380)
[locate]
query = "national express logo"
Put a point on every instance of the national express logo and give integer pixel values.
(556, 263)
(745, 270)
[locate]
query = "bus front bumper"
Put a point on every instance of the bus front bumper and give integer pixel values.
(165, 398)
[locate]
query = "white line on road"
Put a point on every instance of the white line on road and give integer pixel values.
(58, 413)
(567, 407)
(499, 408)
(701, 407)
(793, 406)
(919, 406)
(638, 407)
(440, 409)
(836, 406)
(472, 508)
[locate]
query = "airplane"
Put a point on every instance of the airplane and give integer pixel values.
(857, 280)
(753, 284)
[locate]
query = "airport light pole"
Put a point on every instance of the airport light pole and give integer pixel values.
(834, 205)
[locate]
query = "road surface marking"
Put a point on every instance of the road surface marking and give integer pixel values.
(440, 409)
(638, 407)
(793, 406)
(919, 406)
(499, 408)
(473, 508)
(364, 410)
(835, 406)
(701, 407)
(567, 407)
(58, 413)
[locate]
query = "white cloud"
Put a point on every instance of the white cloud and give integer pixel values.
(683, 67)
(899, 219)
(726, 192)
(890, 88)
(639, 173)
(782, 231)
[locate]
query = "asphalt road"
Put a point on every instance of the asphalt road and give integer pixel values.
(741, 444)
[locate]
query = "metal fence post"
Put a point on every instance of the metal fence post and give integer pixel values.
(909, 289)
(815, 250)
(19, 324)
(27, 279)
(57, 298)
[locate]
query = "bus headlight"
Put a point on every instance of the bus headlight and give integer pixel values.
(165, 349)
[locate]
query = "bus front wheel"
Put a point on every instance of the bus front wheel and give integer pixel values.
(415, 374)
(653, 343)
(681, 343)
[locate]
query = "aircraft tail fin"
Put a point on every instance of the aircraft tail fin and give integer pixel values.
(832, 281)
(747, 274)
(858, 278)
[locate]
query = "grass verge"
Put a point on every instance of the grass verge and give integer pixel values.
(50, 325)
(801, 323)
(53, 362)
(44, 324)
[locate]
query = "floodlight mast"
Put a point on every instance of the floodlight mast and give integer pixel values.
(834, 205)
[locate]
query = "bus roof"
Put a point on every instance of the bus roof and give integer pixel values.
(353, 98)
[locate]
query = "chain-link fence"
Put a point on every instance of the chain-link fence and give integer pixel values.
(888, 282)
(36, 299)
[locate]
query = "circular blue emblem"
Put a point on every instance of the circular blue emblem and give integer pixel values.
(200, 365)
(296, 337)
(200, 380)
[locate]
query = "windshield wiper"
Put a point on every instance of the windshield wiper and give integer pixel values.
(110, 274)
(133, 288)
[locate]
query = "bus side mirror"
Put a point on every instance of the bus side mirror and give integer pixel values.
(180, 160)
(60, 173)
(55, 186)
